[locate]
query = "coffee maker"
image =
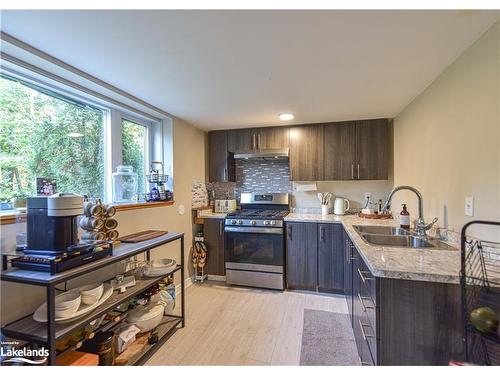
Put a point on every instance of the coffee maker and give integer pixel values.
(52, 223)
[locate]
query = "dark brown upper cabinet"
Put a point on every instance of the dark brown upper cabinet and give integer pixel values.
(257, 139)
(372, 149)
(340, 150)
(220, 161)
(241, 140)
(357, 150)
(272, 138)
(306, 153)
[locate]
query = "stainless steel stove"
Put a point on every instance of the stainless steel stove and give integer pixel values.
(254, 241)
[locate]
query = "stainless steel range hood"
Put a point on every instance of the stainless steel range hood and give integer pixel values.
(281, 153)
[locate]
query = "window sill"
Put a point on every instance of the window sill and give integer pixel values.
(141, 205)
(20, 217)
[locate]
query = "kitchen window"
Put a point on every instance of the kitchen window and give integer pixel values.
(46, 137)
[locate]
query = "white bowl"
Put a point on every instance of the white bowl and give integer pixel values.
(91, 293)
(66, 304)
(146, 318)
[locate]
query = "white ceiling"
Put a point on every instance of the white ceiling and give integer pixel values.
(227, 69)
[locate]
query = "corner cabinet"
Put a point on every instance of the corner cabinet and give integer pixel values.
(401, 322)
(314, 257)
(220, 161)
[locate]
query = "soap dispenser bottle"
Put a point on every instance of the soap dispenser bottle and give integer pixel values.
(404, 218)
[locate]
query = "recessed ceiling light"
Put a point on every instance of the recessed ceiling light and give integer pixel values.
(75, 135)
(286, 116)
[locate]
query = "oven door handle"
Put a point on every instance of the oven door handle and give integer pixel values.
(253, 230)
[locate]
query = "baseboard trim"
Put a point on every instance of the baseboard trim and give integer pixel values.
(216, 278)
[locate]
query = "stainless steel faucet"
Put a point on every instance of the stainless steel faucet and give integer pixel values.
(421, 227)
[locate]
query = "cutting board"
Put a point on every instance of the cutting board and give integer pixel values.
(142, 236)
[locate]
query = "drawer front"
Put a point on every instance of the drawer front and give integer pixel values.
(367, 305)
(367, 280)
(368, 344)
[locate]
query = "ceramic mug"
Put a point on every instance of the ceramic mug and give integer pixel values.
(110, 224)
(112, 235)
(93, 236)
(90, 223)
(110, 210)
(92, 209)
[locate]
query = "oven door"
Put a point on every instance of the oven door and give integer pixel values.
(254, 249)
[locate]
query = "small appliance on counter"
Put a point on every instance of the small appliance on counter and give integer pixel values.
(52, 236)
(225, 205)
(341, 206)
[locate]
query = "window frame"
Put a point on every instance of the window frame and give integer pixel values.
(156, 138)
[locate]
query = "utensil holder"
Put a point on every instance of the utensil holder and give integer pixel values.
(325, 209)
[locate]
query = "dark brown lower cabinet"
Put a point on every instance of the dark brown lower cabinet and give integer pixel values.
(213, 233)
(330, 258)
(301, 255)
(403, 322)
(315, 257)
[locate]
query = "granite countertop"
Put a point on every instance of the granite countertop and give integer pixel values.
(393, 262)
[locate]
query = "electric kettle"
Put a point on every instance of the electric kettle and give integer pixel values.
(341, 206)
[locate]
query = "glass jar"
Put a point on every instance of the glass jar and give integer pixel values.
(124, 184)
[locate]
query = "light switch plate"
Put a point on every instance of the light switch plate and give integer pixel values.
(469, 206)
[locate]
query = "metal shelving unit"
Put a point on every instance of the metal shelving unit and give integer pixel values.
(480, 285)
(26, 328)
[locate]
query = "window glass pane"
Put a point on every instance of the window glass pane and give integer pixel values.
(133, 150)
(42, 136)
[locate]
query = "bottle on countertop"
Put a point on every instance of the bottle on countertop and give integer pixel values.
(380, 205)
(404, 218)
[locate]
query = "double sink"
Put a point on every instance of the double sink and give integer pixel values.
(398, 237)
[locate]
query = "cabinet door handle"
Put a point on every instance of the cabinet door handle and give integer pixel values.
(352, 171)
(254, 141)
(322, 234)
(363, 304)
(362, 326)
(225, 174)
(363, 277)
(258, 141)
(289, 232)
(358, 171)
(220, 228)
(347, 255)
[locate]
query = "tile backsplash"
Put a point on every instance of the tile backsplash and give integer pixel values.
(262, 176)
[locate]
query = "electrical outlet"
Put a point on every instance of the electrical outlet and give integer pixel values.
(368, 196)
(469, 206)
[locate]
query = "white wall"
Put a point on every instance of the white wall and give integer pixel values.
(447, 141)
(189, 165)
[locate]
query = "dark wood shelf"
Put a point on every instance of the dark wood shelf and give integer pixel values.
(28, 329)
(121, 251)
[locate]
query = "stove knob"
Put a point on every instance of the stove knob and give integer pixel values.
(233, 222)
(273, 222)
(239, 222)
(266, 222)
(253, 222)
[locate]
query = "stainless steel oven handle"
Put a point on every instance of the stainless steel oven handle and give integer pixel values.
(253, 230)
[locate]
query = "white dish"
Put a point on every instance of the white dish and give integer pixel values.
(68, 300)
(146, 318)
(159, 267)
(67, 303)
(127, 282)
(91, 293)
(40, 314)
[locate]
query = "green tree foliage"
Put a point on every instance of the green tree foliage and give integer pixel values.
(133, 138)
(35, 141)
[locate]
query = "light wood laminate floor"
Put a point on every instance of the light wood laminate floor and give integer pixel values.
(242, 326)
